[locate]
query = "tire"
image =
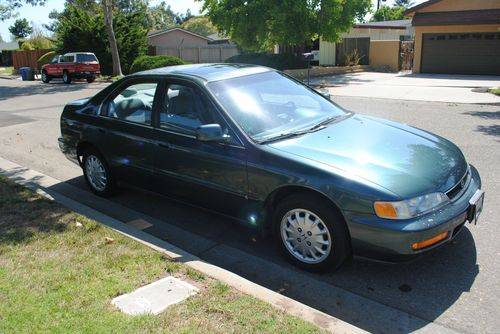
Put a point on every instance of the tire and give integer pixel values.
(91, 79)
(45, 77)
(321, 241)
(97, 174)
(66, 77)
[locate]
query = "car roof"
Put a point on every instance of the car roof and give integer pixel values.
(208, 72)
(79, 53)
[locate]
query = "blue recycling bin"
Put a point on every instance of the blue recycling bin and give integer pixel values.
(24, 73)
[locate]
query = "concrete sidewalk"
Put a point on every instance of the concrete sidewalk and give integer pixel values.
(417, 87)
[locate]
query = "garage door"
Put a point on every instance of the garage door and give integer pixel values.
(464, 53)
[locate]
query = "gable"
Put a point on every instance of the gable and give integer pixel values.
(453, 5)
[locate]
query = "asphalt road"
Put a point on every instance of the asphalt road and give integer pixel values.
(455, 288)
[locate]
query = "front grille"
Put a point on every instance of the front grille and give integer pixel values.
(460, 186)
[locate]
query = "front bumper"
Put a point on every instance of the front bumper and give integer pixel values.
(391, 240)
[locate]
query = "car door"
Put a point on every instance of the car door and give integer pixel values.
(210, 174)
(126, 124)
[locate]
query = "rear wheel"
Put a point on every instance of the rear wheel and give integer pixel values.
(45, 77)
(311, 233)
(91, 79)
(66, 77)
(97, 174)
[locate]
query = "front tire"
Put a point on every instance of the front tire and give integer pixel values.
(97, 174)
(66, 77)
(45, 77)
(311, 233)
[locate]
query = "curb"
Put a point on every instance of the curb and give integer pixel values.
(40, 183)
(9, 77)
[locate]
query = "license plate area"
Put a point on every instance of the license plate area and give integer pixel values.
(476, 207)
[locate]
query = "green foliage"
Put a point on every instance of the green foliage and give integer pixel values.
(159, 17)
(280, 62)
(21, 28)
(45, 59)
(200, 25)
(261, 24)
(386, 13)
(144, 63)
(84, 30)
(9, 8)
(6, 57)
(404, 3)
(353, 58)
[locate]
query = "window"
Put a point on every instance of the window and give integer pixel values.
(85, 58)
(55, 60)
(67, 59)
(186, 109)
(134, 103)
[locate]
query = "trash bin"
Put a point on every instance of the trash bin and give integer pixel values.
(30, 74)
(24, 73)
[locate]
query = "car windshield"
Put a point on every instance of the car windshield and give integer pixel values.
(85, 58)
(269, 105)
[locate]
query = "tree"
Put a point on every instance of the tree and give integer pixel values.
(21, 28)
(386, 13)
(261, 24)
(181, 18)
(8, 8)
(200, 25)
(107, 8)
(160, 16)
(403, 3)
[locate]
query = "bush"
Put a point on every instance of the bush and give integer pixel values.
(45, 59)
(283, 61)
(6, 57)
(144, 63)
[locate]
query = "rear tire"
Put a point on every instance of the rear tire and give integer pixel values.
(98, 174)
(91, 79)
(45, 77)
(311, 233)
(66, 77)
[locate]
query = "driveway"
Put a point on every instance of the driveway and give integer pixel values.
(413, 87)
(453, 289)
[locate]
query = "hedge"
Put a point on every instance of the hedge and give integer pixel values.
(144, 63)
(282, 61)
(45, 59)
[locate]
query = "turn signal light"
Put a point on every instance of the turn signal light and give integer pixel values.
(386, 210)
(429, 242)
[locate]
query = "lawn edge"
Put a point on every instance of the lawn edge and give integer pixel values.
(40, 183)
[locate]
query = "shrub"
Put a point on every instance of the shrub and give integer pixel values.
(283, 61)
(6, 57)
(353, 58)
(45, 59)
(144, 63)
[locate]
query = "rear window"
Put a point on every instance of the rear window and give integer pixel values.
(85, 58)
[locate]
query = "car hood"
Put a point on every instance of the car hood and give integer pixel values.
(402, 159)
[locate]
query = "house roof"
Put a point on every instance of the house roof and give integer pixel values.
(9, 46)
(485, 16)
(395, 24)
(412, 10)
(166, 31)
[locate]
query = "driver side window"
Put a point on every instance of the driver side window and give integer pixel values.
(134, 103)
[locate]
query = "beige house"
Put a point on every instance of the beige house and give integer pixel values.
(371, 31)
(457, 36)
(190, 46)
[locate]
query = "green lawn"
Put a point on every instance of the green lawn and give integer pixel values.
(6, 70)
(495, 91)
(58, 275)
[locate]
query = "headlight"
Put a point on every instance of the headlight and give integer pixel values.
(410, 208)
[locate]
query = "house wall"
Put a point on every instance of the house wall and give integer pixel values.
(173, 39)
(384, 55)
(446, 29)
(457, 5)
(327, 54)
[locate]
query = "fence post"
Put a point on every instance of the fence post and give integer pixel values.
(199, 54)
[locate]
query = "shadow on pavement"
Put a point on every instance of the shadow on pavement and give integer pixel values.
(372, 296)
(452, 76)
(488, 129)
(38, 88)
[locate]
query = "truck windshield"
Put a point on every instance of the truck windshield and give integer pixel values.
(85, 58)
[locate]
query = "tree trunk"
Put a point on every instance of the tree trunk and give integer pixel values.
(108, 21)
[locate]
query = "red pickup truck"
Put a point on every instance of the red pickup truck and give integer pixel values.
(73, 65)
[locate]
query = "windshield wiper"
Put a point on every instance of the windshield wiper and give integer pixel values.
(324, 123)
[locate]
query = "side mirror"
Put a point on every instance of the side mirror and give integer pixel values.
(211, 132)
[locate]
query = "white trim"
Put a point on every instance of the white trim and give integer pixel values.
(180, 29)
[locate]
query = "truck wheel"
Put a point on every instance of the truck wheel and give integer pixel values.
(91, 79)
(45, 77)
(66, 77)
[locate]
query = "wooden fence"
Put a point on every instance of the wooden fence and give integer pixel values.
(348, 45)
(26, 58)
(202, 54)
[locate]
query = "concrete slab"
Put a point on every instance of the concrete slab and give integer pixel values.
(154, 298)
(413, 87)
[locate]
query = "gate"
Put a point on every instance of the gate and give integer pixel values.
(348, 46)
(406, 55)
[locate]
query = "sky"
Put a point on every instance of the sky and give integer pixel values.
(40, 15)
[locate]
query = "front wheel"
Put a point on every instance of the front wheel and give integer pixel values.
(311, 233)
(45, 77)
(97, 174)
(66, 77)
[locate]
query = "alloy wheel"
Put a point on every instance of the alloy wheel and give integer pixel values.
(96, 173)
